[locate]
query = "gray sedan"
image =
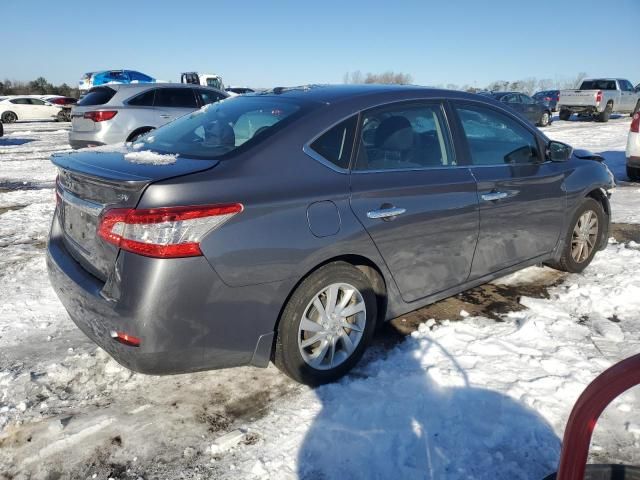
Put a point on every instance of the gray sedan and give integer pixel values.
(286, 225)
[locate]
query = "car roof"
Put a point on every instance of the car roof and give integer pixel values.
(145, 85)
(336, 93)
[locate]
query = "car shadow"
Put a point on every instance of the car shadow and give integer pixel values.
(405, 417)
(583, 119)
(13, 142)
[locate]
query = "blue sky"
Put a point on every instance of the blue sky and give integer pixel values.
(269, 43)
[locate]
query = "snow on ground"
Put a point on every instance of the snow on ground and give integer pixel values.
(457, 399)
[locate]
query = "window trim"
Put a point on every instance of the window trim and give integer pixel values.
(447, 136)
(306, 148)
(460, 103)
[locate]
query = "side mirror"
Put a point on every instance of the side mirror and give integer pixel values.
(558, 151)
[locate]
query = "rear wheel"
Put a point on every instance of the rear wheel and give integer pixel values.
(633, 173)
(606, 113)
(326, 325)
(584, 237)
(9, 117)
(565, 114)
(544, 119)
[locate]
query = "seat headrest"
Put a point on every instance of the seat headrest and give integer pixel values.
(394, 133)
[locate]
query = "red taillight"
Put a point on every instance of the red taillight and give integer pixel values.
(599, 96)
(100, 115)
(635, 124)
(126, 339)
(164, 232)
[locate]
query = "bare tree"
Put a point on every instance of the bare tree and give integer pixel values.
(388, 77)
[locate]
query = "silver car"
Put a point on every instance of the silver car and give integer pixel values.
(121, 113)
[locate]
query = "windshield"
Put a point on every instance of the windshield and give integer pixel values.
(219, 129)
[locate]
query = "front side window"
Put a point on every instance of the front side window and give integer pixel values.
(404, 137)
(495, 139)
(220, 129)
(175, 97)
(336, 144)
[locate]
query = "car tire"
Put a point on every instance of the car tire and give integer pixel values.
(63, 116)
(545, 119)
(9, 117)
(311, 313)
(565, 114)
(574, 259)
(604, 116)
(633, 174)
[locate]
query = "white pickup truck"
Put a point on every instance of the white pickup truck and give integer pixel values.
(600, 97)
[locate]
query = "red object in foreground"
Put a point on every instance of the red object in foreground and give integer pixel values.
(126, 339)
(577, 436)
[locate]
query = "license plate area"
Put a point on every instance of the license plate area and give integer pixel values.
(80, 220)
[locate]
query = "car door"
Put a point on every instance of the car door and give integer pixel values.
(513, 101)
(628, 96)
(42, 110)
(173, 102)
(522, 197)
(531, 108)
(417, 204)
(22, 108)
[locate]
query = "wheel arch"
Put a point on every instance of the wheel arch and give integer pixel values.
(602, 198)
(10, 111)
(139, 131)
(367, 266)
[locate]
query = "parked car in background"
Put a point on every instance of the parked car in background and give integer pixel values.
(289, 224)
(121, 113)
(232, 91)
(204, 79)
(600, 97)
(633, 149)
(65, 102)
(538, 113)
(94, 79)
(549, 97)
(16, 108)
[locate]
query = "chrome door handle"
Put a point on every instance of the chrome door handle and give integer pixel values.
(165, 116)
(493, 196)
(386, 213)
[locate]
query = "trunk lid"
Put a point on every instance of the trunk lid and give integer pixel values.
(89, 182)
(578, 97)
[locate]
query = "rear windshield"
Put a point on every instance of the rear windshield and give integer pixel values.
(220, 129)
(97, 96)
(598, 85)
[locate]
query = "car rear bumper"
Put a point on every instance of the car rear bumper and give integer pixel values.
(589, 109)
(186, 318)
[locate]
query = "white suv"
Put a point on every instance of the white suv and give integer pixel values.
(121, 113)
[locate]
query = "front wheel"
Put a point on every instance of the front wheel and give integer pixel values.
(581, 244)
(326, 325)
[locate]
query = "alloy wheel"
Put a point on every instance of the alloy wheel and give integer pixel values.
(584, 236)
(332, 326)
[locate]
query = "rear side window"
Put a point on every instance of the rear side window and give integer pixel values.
(336, 144)
(97, 96)
(35, 101)
(144, 99)
(207, 96)
(404, 137)
(175, 97)
(495, 139)
(20, 101)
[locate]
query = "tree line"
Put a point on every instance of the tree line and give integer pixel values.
(527, 85)
(39, 86)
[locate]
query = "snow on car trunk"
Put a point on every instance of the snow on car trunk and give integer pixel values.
(464, 399)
